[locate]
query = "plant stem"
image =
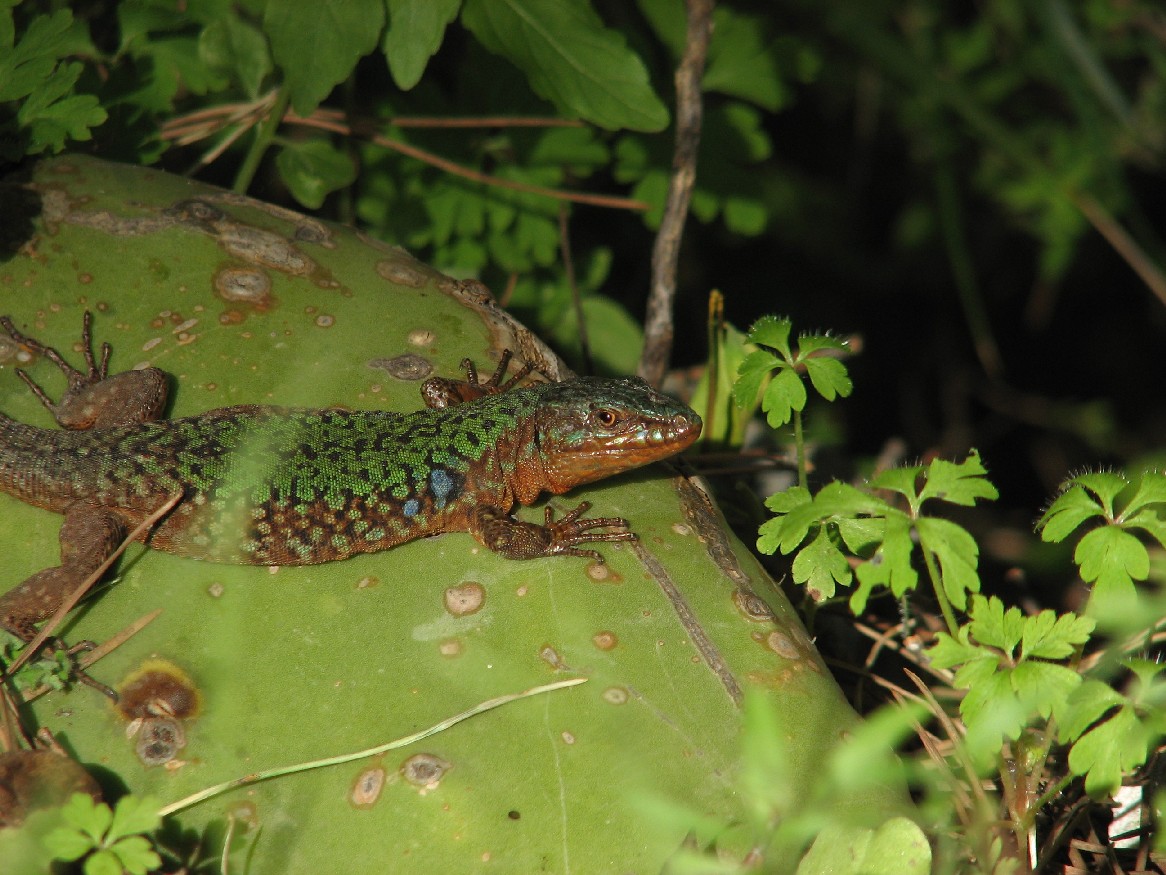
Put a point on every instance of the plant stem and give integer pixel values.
(940, 595)
(800, 450)
(264, 134)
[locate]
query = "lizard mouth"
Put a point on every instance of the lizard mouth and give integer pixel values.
(613, 453)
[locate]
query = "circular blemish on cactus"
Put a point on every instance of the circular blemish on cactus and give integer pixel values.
(407, 367)
(615, 696)
(752, 606)
(605, 640)
(245, 285)
(424, 770)
(421, 337)
(601, 572)
(159, 739)
(366, 789)
(780, 644)
(465, 599)
(158, 689)
(400, 272)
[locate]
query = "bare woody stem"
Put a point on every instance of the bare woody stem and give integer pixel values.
(658, 324)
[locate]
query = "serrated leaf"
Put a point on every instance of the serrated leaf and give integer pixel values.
(1085, 707)
(1047, 636)
(91, 818)
(67, 843)
(571, 59)
(860, 534)
(820, 564)
(1115, 747)
(1105, 485)
(753, 371)
(137, 855)
(990, 706)
(1067, 512)
(787, 500)
(1111, 549)
(773, 331)
(133, 815)
(903, 480)
(1151, 489)
(317, 45)
(103, 862)
(785, 393)
(994, 626)
(31, 60)
(957, 553)
(312, 169)
(415, 33)
(952, 651)
(1041, 686)
(890, 566)
(1148, 520)
(959, 483)
(829, 377)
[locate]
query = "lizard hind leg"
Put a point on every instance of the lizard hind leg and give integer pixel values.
(94, 399)
(88, 536)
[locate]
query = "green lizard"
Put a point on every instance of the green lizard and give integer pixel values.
(267, 485)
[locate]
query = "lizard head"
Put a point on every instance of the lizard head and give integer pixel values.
(591, 428)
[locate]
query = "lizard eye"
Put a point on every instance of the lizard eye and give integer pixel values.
(605, 417)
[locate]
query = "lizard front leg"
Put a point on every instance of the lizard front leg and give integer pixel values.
(515, 539)
(94, 399)
(440, 392)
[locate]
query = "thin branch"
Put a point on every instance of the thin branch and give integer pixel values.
(658, 325)
(315, 121)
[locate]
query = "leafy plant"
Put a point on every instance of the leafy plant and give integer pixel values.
(110, 842)
(1030, 683)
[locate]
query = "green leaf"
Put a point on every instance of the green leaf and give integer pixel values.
(820, 564)
(31, 61)
(957, 553)
(1084, 708)
(1112, 550)
(68, 844)
(903, 480)
(103, 862)
(1151, 489)
(317, 45)
(773, 332)
(753, 371)
(571, 59)
(785, 393)
(1047, 636)
(740, 64)
(1068, 511)
(133, 815)
(415, 32)
(1115, 747)
(1105, 485)
(1148, 520)
(314, 168)
(958, 482)
(91, 818)
(950, 652)
(233, 47)
(1043, 686)
(829, 377)
(994, 626)
(137, 855)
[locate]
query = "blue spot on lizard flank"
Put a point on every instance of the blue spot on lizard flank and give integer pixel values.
(442, 487)
(412, 506)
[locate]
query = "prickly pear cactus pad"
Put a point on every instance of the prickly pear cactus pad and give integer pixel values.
(252, 668)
